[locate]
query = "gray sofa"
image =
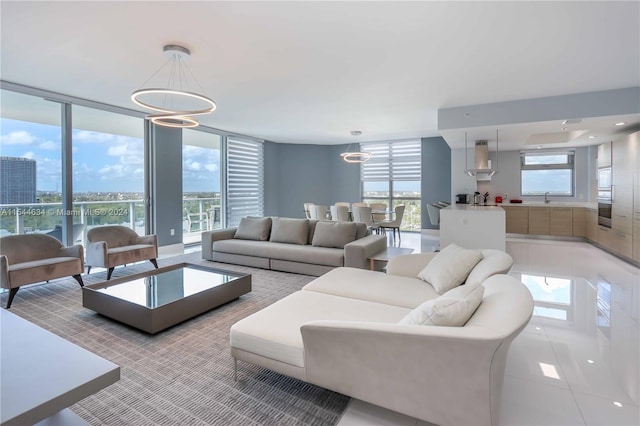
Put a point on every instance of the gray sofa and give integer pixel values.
(301, 246)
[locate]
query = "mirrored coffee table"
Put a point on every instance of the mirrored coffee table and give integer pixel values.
(158, 299)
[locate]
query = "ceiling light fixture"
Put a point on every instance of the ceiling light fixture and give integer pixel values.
(177, 101)
(621, 123)
(355, 156)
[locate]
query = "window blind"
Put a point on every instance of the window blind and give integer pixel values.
(245, 180)
(392, 161)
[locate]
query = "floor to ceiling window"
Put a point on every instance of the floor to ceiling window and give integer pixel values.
(201, 176)
(392, 176)
(108, 170)
(31, 165)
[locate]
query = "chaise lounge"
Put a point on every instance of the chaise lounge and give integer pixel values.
(360, 333)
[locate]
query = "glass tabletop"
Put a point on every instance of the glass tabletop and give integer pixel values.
(166, 287)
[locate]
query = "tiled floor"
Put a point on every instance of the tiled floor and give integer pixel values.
(578, 360)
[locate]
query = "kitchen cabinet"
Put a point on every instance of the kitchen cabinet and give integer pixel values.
(539, 220)
(592, 225)
(561, 221)
(622, 169)
(636, 238)
(616, 241)
(579, 222)
(604, 155)
(517, 219)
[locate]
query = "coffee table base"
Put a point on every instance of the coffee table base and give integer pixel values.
(153, 320)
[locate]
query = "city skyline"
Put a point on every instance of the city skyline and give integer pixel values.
(102, 162)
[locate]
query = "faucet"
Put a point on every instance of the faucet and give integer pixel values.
(546, 198)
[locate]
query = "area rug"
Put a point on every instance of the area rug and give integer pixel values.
(183, 375)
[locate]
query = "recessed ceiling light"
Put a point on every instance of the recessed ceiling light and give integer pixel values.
(590, 361)
(620, 123)
(539, 146)
(592, 137)
(617, 404)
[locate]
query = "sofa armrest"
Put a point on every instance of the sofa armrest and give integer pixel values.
(147, 239)
(409, 265)
(73, 251)
(151, 239)
(424, 371)
(357, 252)
(97, 254)
(209, 237)
(4, 272)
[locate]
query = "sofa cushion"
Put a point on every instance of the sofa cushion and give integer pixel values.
(452, 309)
(254, 229)
(291, 231)
(450, 267)
(373, 286)
(334, 234)
(282, 251)
(274, 332)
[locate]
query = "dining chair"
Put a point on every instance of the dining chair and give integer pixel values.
(363, 214)
(343, 203)
(379, 217)
(318, 212)
(307, 210)
(340, 213)
(434, 214)
(396, 222)
(359, 205)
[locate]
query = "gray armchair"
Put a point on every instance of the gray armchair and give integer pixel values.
(110, 246)
(32, 258)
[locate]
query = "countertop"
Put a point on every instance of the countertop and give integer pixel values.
(472, 207)
(539, 204)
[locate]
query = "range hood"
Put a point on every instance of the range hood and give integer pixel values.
(481, 168)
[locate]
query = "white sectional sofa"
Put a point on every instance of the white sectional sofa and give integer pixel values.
(301, 246)
(344, 331)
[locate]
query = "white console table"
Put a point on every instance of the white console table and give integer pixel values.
(473, 227)
(42, 374)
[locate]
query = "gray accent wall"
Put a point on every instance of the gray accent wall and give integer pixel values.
(166, 184)
(297, 173)
(436, 175)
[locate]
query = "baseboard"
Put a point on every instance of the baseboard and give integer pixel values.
(170, 250)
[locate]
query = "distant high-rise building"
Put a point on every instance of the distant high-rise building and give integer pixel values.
(17, 180)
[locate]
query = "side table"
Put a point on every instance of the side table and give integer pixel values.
(386, 254)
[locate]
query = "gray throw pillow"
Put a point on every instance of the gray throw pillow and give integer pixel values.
(292, 231)
(254, 229)
(334, 234)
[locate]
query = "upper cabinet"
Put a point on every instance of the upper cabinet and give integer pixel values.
(604, 155)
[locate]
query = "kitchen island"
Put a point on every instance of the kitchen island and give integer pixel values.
(473, 226)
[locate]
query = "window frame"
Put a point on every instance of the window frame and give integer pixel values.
(569, 165)
(392, 162)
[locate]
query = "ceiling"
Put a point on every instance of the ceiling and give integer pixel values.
(310, 72)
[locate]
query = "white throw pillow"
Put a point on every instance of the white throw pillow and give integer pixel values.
(450, 267)
(452, 309)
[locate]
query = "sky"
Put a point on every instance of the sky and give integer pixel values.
(101, 162)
